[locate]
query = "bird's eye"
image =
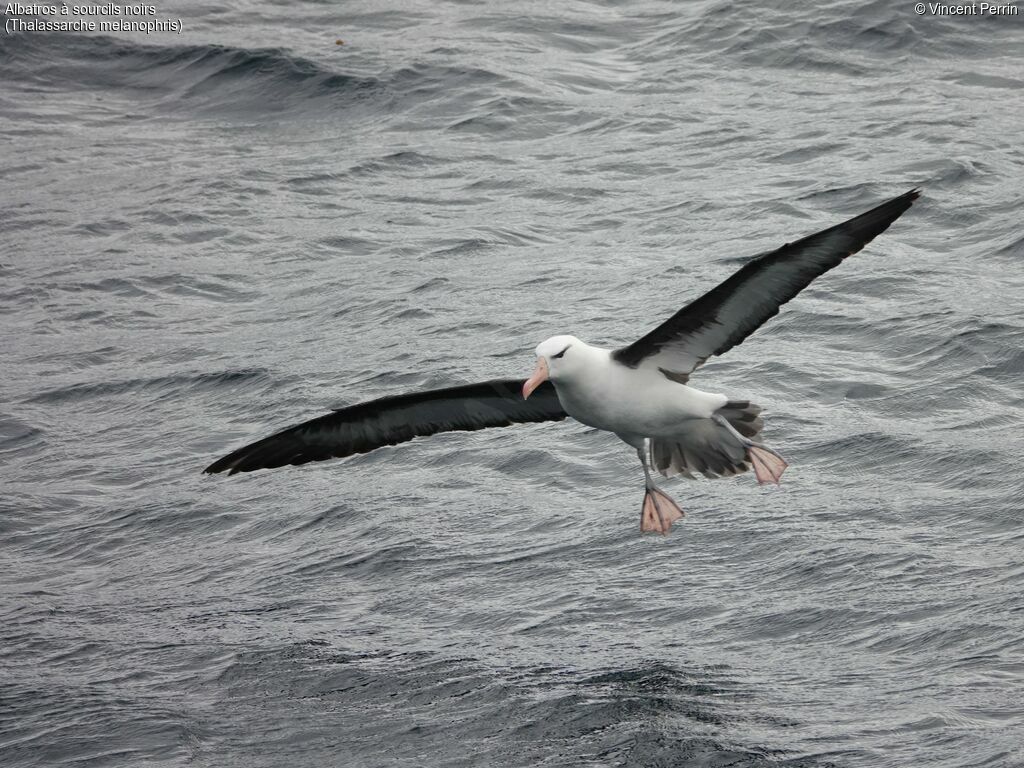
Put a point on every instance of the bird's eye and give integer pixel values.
(561, 354)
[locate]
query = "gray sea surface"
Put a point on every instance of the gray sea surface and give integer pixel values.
(211, 235)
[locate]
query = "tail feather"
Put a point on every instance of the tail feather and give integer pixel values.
(705, 447)
(743, 416)
(712, 449)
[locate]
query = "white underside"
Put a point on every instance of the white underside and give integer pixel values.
(635, 403)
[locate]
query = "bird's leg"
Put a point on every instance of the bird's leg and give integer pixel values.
(768, 465)
(659, 510)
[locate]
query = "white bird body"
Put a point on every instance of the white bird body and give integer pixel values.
(634, 403)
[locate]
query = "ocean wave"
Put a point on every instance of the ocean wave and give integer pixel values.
(207, 78)
(173, 385)
(226, 80)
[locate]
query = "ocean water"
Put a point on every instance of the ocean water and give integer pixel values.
(211, 235)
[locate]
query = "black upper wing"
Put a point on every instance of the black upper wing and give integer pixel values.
(727, 314)
(390, 420)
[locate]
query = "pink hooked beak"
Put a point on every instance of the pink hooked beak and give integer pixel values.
(540, 375)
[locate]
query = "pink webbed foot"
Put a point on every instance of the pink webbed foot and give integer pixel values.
(658, 512)
(768, 465)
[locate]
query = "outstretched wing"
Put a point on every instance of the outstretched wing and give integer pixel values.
(727, 314)
(391, 420)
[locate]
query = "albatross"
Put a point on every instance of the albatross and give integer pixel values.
(640, 392)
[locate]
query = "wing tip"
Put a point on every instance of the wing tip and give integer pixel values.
(899, 203)
(233, 463)
(219, 466)
(871, 224)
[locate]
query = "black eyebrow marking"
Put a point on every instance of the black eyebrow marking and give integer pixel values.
(555, 357)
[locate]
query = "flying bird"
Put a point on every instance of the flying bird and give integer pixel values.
(640, 392)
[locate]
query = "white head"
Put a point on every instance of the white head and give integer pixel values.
(557, 357)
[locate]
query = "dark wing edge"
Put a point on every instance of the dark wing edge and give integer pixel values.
(720, 324)
(396, 419)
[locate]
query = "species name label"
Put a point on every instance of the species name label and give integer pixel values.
(105, 17)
